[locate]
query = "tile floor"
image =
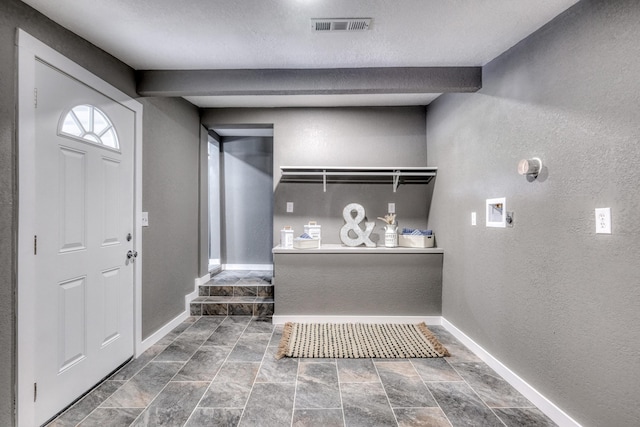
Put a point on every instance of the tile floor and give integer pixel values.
(221, 371)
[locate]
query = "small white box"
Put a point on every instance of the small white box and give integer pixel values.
(411, 241)
(299, 243)
(286, 237)
(314, 230)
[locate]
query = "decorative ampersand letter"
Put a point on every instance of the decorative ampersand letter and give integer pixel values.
(353, 224)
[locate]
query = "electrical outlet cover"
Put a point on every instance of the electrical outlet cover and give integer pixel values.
(603, 220)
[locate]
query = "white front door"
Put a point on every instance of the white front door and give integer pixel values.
(84, 147)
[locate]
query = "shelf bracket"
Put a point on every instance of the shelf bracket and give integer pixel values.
(324, 180)
(396, 180)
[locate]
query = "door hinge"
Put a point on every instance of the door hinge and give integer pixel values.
(35, 245)
(35, 97)
(35, 391)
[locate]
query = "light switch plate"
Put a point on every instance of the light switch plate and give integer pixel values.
(392, 208)
(144, 219)
(473, 218)
(603, 220)
(289, 207)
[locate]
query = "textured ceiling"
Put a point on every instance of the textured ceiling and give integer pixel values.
(227, 34)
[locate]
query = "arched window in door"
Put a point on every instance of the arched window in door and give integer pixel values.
(90, 124)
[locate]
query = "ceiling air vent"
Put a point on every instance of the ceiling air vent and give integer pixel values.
(340, 24)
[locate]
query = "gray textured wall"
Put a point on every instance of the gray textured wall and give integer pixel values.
(170, 194)
(14, 14)
(393, 136)
(248, 200)
(552, 300)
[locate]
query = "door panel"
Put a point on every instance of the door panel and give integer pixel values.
(72, 331)
(72, 195)
(84, 211)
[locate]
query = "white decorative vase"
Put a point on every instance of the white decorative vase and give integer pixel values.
(391, 235)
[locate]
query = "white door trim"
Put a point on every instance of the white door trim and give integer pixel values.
(29, 48)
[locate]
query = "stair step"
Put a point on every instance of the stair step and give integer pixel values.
(232, 306)
(235, 293)
(236, 290)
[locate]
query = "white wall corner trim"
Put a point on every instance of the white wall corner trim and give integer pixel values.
(265, 267)
(545, 405)
(429, 320)
(199, 281)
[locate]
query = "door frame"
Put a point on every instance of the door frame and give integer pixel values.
(30, 49)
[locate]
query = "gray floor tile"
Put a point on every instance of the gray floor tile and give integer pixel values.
(204, 364)
(203, 328)
(403, 385)
(270, 405)
(435, 369)
(87, 404)
(259, 326)
(276, 337)
(317, 386)
(231, 386)
(221, 371)
(175, 332)
(278, 371)
(318, 417)
(133, 367)
(250, 348)
(421, 417)
(523, 417)
(366, 405)
(214, 417)
(457, 350)
(173, 406)
(492, 388)
(357, 371)
(111, 417)
(461, 405)
(144, 386)
(180, 350)
(226, 334)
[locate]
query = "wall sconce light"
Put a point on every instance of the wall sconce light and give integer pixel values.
(530, 167)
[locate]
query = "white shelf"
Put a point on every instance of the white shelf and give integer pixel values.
(342, 249)
(369, 175)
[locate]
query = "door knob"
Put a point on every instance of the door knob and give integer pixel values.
(132, 255)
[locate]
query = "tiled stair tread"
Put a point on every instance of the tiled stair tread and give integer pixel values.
(238, 293)
(241, 282)
(232, 299)
(262, 309)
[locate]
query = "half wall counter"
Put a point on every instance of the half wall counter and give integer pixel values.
(336, 281)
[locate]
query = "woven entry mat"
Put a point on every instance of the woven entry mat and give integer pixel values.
(359, 340)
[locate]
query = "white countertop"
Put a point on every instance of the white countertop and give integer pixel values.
(341, 249)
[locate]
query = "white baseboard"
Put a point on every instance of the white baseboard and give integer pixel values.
(202, 280)
(160, 333)
(266, 267)
(545, 405)
(429, 320)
